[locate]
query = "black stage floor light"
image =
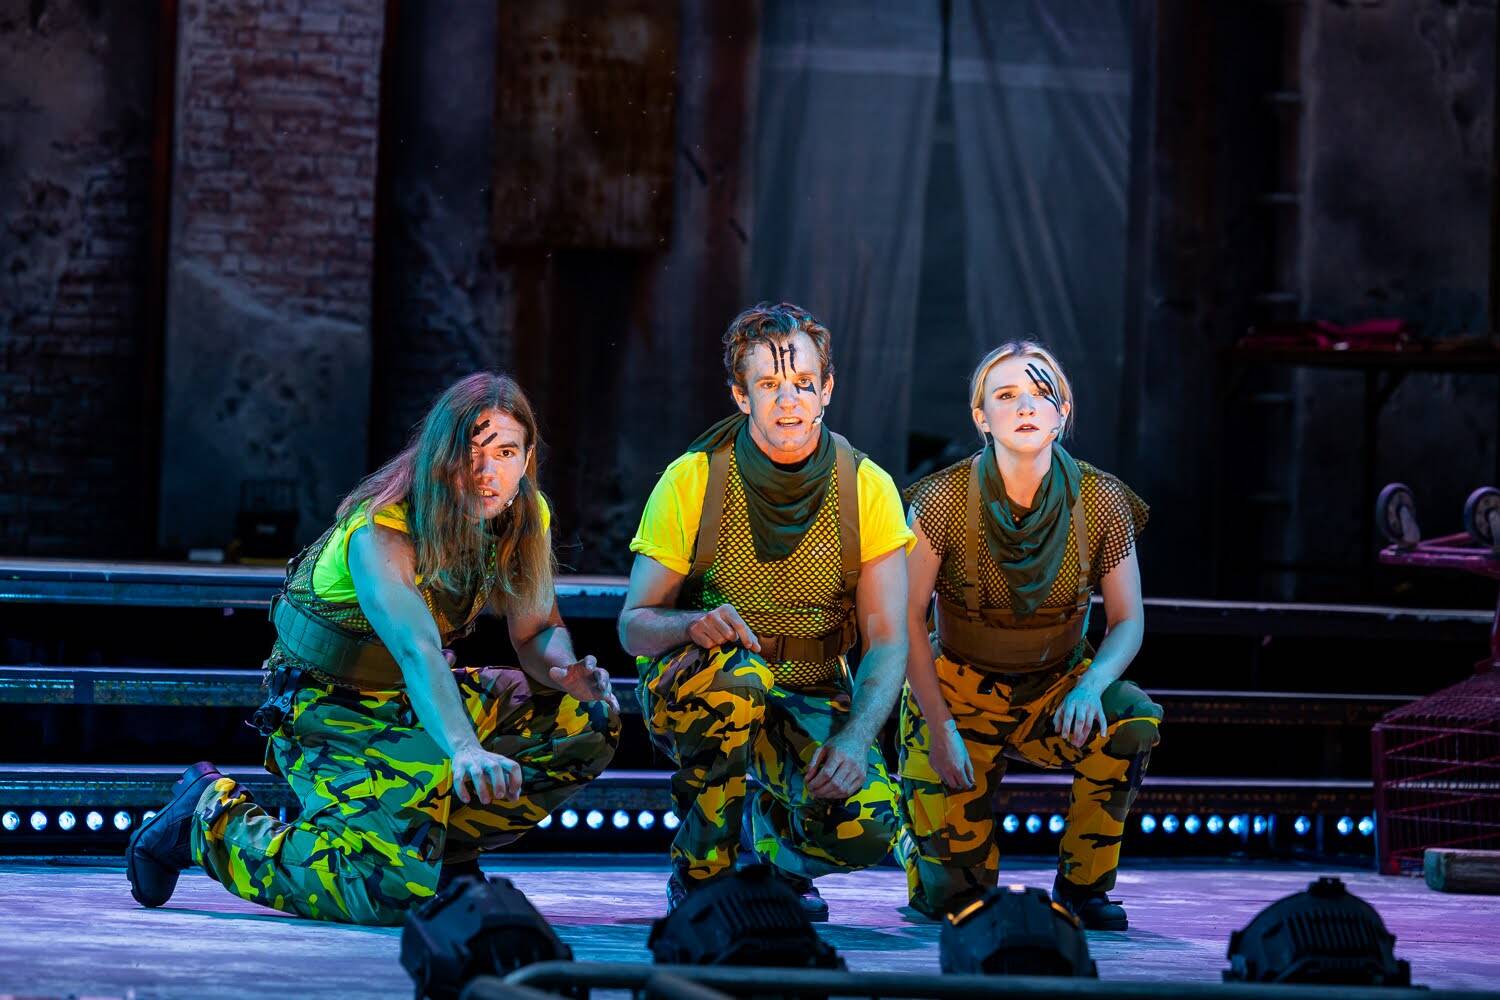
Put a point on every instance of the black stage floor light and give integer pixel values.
(475, 928)
(1015, 931)
(748, 918)
(1324, 935)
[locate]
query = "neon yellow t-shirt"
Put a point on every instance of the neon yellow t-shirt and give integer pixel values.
(331, 579)
(669, 524)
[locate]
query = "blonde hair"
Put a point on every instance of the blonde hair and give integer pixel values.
(1023, 349)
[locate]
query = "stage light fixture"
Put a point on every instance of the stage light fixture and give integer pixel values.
(569, 819)
(1011, 823)
(1215, 824)
(147, 815)
(66, 820)
(1260, 825)
(39, 820)
(1325, 935)
(669, 820)
(1237, 825)
(1014, 930)
(122, 821)
(1345, 826)
(11, 821)
(645, 819)
(475, 928)
(1033, 823)
(93, 821)
(621, 819)
(1302, 825)
(594, 819)
(1169, 823)
(544, 822)
(1366, 826)
(1192, 824)
(747, 918)
(1148, 823)
(1056, 823)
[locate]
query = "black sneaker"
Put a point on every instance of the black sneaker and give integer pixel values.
(1093, 908)
(161, 848)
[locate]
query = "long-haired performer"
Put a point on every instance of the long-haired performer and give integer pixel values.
(762, 554)
(1014, 540)
(406, 769)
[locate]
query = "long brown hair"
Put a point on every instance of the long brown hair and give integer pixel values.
(451, 545)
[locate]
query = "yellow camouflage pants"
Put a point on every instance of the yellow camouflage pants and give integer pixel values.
(956, 856)
(378, 818)
(722, 718)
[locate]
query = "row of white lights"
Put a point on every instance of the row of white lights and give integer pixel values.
(10, 821)
(1258, 825)
(619, 819)
(646, 819)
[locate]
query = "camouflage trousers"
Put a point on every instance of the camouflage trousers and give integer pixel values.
(722, 718)
(378, 818)
(955, 856)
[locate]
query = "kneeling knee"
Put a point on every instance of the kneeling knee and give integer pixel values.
(1137, 736)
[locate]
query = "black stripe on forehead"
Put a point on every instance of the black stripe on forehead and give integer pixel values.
(1044, 384)
(486, 441)
(479, 429)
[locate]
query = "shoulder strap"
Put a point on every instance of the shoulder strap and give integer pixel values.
(971, 542)
(713, 513)
(846, 467)
(1081, 541)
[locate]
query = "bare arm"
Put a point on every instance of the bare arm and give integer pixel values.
(651, 624)
(1082, 709)
(382, 563)
(837, 768)
(546, 653)
(921, 672)
(1126, 615)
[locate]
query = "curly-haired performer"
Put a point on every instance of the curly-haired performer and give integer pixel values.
(762, 553)
(1014, 540)
(405, 769)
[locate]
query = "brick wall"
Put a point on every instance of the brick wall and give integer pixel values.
(76, 84)
(272, 246)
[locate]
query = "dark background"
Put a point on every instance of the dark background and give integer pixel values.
(248, 241)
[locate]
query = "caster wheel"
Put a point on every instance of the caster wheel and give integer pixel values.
(1482, 516)
(1396, 515)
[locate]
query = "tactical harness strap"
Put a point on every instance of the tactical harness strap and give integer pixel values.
(995, 638)
(785, 648)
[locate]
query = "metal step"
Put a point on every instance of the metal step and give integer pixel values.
(211, 688)
(98, 786)
(190, 585)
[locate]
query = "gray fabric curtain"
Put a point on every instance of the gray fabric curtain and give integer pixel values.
(1041, 102)
(847, 100)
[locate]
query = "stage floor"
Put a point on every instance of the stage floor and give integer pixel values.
(72, 928)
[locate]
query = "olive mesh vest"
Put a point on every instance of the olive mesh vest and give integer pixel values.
(809, 595)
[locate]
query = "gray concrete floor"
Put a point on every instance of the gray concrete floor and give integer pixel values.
(71, 929)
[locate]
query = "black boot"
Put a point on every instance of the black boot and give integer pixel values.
(813, 903)
(453, 870)
(161, 847)
(676, 892)
(1093, 908)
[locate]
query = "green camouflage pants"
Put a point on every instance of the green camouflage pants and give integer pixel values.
(721, 717)
(956, 856)
(378, 817)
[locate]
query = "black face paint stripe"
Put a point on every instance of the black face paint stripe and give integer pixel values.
(479, 429)
(486, 441)
(1044, 385)
(791, 354)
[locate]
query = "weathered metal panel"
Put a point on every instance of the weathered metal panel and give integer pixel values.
(584, 123)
